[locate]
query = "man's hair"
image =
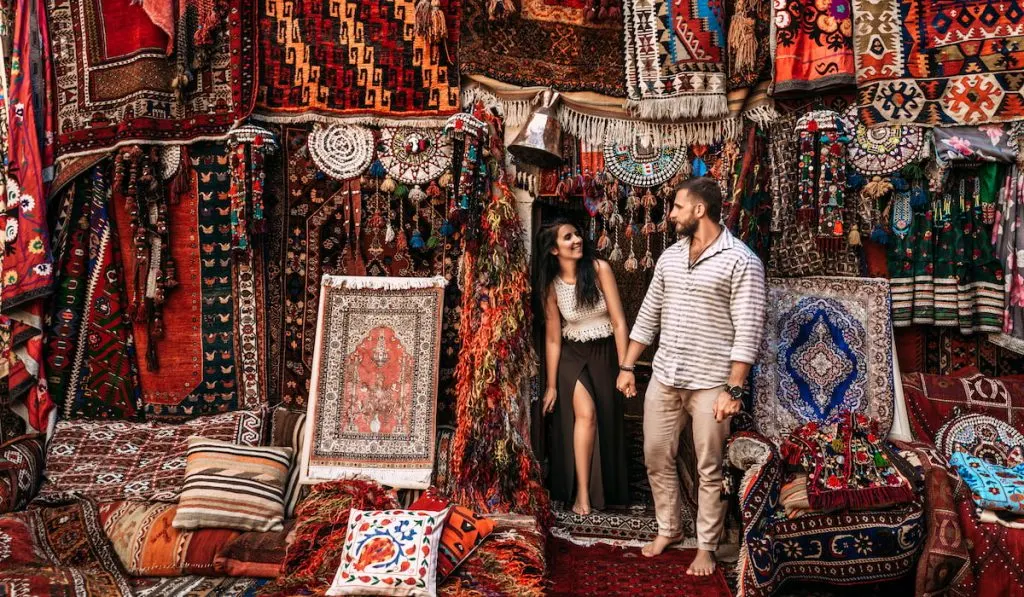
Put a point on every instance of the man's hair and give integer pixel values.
(706, 190)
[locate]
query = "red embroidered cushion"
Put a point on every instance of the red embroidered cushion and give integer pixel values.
(463, 532)
(21, 467)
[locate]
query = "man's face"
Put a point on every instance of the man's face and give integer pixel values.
(686, 214)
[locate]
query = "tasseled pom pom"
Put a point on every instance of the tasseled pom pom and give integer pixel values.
(401, 192)
(377, 170)
(603, 241)
(631, 264)
(876, 189)
(880, 236)
(389, 185)
(648, 200)
(854, 237)
(616, 255)
(430, 22)
(855, 181)
(416, 195)
(446, 179)
(648, 261)
(389, 234)
(447, 229)
(416, 242)
(900, 184)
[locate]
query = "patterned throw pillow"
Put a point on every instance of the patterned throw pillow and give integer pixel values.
(390, 552)
(21, 467)
(118, 460)
(288, 431)
(993, 487)
(463, 532)
(147, 544)
(228, 486)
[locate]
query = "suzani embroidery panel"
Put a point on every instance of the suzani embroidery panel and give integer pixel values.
(372, 408)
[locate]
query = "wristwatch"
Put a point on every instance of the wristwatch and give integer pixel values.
(736, 392)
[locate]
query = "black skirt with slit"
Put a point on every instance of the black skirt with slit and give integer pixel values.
(595, 365)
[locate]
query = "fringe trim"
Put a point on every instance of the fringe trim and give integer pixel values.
(859, 499)
(762, 116)
(1008, 342)
(374, 283)
(679, 108)
(690, 543)
(599, 129)
(405, 478)
(376, 121)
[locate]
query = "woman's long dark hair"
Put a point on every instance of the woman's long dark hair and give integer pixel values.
(545, 267)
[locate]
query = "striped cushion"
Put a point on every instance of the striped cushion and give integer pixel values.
(229, 486)
(289, 428)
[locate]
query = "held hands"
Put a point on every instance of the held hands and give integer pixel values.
(550, 395)
(626, 383)
(726, 407)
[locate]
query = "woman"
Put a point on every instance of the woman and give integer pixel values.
(586, 338)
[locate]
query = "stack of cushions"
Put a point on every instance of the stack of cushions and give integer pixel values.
(229, 486)
(847, 466)
(288, 431)
(21, 467)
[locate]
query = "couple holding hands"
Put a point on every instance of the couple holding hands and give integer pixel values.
(707, 302)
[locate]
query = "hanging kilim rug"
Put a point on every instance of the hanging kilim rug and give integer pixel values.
(939, 63)
(372, 408)
(549, 43)
(114, 77)
(210, 357)
(675, 58)
(827, 349)
(90, 356)
(359, 60)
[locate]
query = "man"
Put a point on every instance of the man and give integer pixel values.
(707, 300)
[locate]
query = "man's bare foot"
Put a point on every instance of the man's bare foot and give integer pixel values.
(660, 543)
(581, 508)
(703, 564)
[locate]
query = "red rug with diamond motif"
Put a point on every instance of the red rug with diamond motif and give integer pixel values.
(607, 571)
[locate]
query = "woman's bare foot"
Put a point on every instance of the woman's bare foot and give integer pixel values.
(581, 508)
(703, 564)
(660, 543)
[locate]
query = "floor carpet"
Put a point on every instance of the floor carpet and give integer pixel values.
(608, 571)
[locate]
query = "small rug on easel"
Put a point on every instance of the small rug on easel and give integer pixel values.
(608, 571)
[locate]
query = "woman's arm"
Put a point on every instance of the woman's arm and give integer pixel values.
(606, 280)
(553, 348)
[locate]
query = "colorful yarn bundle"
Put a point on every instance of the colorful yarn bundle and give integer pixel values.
(493, 467)
(319, 536)
(509, 562)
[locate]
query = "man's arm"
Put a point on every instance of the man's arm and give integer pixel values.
(746, 310)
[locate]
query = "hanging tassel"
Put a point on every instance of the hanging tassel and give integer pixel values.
(430, 22)
(182, 178)
(389, 185)
(603, 241)
(899, 184)
(416, 195)
(879, 235)
(389, 233)
(616, 255)
(876, 189)
(648, 261)
(416, 242)
(631, 264)
(401, 192)
(377, 170)
(447, 229)
(854, 237)
(446, 179)
(742, 42)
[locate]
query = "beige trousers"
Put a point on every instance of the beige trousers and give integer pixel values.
(666, 412)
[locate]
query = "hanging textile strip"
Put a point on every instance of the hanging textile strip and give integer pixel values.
(315, 65)
(938, 63)
(91, 360)
(248, 148)
(27, 262)
(118, 86)
(551, 43)
(813, 46)
(822, 181)
(675, 59)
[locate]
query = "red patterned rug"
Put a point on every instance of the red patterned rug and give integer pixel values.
(605, 570)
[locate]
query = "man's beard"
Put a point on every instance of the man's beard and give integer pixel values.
(687, 229)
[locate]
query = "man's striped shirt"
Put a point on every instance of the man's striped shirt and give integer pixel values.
(709, 314)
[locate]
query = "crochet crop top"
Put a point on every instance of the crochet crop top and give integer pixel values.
(582, 324)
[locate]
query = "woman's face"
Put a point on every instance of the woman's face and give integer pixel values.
(568, 243)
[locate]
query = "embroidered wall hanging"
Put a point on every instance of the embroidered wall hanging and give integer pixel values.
(372, 405)
(414, 156)
(343, 151)
(822, 177)
(675, 59)
(813, 45)
(210, 356)
(881, 150)
(114, 77)
(643, 165)
(359, 61)
(827, 349)
(938, 63)
(549, 43)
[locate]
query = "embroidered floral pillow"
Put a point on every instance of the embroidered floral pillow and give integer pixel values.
(390, 552)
